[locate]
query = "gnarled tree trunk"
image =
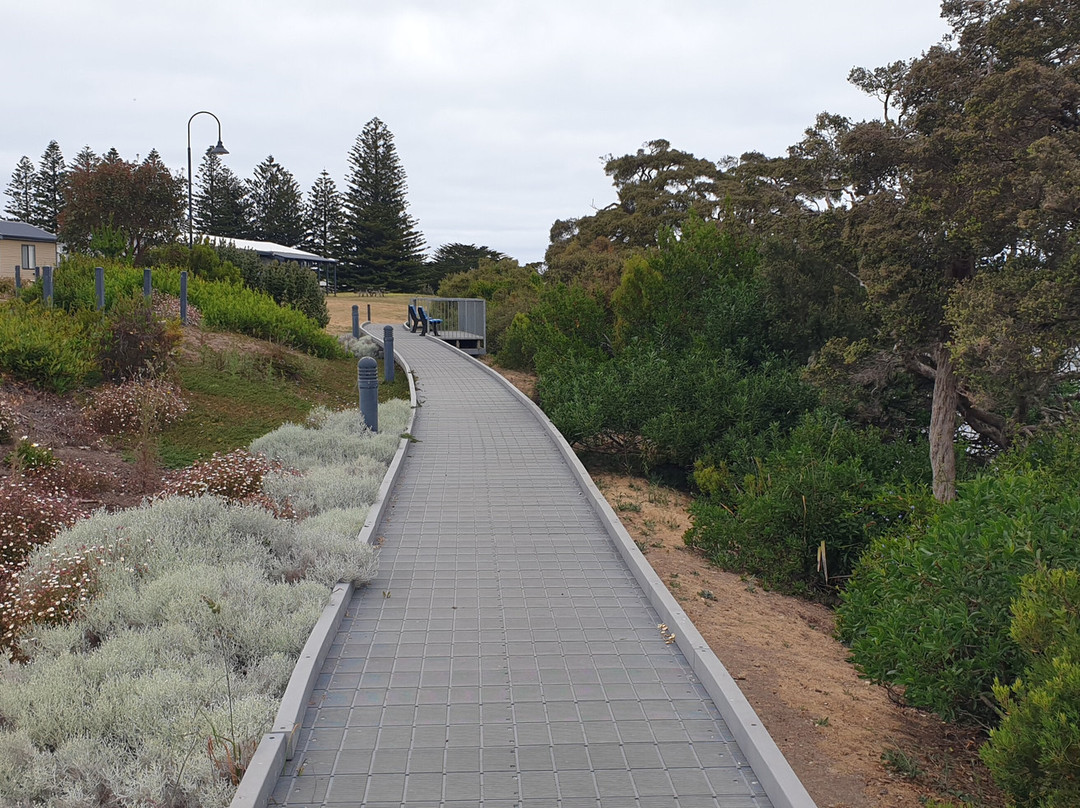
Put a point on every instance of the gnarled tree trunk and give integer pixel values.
(943, 426)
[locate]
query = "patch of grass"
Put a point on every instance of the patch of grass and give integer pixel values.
(900, 762)
(625, 506)
(235, 396)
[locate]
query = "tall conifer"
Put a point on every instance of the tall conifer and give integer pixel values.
(220, 203)
(21, 192)
(49, 188)
(324, 215)
(276, 205)
(381, 245)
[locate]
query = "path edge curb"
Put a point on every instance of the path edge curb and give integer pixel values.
(278, 745)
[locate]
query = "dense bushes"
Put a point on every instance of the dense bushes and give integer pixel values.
(803, 515)
(47, 348)
(135, 340)
(566, 320)
(290, 284)
(1035, 753)
(928, 610)
(672, 407)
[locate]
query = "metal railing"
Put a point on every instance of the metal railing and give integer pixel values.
(464, 320)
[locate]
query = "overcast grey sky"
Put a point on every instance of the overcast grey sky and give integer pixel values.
(501, 110)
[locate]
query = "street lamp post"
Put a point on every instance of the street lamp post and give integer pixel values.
(218, 150)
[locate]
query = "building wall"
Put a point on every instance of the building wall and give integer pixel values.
(11, 255)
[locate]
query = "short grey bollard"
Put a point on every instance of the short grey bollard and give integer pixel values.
(37, 274)
(183, 297)
(388, 353)
(47, 285)
(147, 284)
(367, 381)
(99, 287)
(356, 322)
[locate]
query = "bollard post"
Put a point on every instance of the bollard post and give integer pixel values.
(18, 279)
(147, 285)
(388, 353)
(356, 322)
(99, 287)
(369, 312)
(183, 297)
(368, 383)
(37, 274)
(47, 286)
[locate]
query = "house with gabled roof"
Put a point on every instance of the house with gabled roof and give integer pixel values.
(24, 245)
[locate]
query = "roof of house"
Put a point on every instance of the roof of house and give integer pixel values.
(21, 231)
(269, 249)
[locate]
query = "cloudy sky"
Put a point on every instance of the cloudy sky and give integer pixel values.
(501, 110)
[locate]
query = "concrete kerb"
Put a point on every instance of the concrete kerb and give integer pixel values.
(279, 744)
(775, 774)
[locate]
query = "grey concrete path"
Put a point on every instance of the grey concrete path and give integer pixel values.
(505, 656)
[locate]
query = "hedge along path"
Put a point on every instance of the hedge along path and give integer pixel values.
(515, 648)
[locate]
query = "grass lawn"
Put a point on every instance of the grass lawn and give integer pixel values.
(244, 388)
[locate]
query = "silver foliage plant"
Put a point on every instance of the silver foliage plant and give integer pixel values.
(201, 614)
(362, 346)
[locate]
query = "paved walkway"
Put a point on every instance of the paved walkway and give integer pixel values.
(505, 656)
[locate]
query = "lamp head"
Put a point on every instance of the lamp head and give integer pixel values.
(219, 149)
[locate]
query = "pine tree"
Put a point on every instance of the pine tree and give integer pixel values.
(381, 245)
(49, 188)
(220, 204)
(21, 191)
(276, 205)
(323, 214)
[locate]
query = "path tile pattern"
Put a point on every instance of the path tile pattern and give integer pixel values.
(505, 656)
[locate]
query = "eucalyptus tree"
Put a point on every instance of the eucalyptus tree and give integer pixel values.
(966, 232)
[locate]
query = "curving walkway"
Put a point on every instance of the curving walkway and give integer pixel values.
(507, 656)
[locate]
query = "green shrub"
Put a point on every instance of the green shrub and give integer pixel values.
(31, 457)
(290, 284)
(565, 320)
(245, 311)
(135, 341)
(1034, 754)
(674, 408)
(46, 348)
(928, 609)
(831, 486)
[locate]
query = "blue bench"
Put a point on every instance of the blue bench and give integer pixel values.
(418, 318)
